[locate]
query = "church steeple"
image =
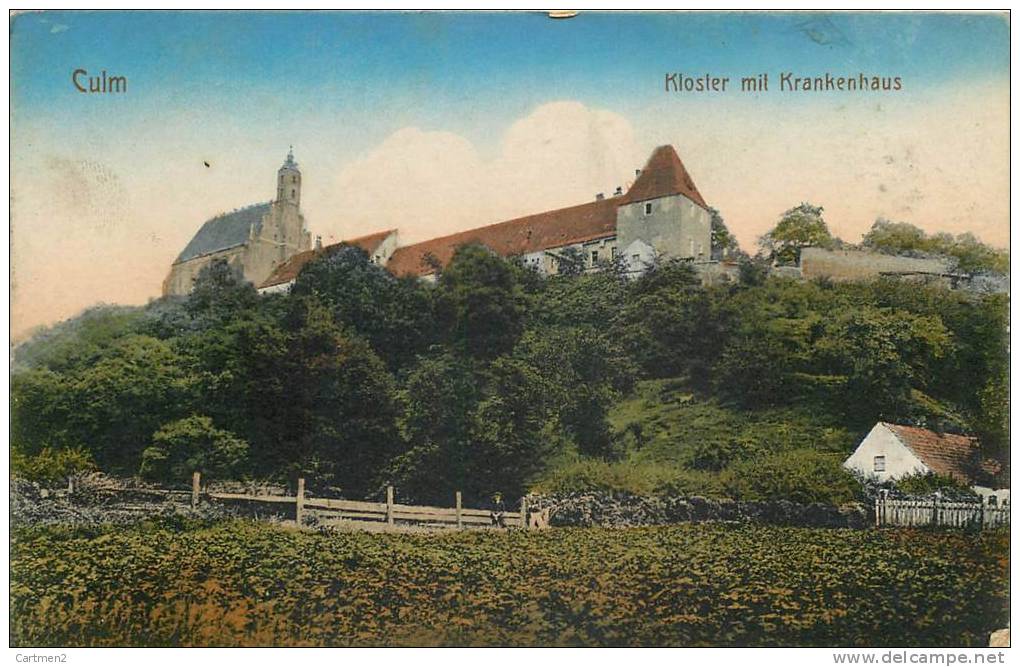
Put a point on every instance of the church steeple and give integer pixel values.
(288, 181)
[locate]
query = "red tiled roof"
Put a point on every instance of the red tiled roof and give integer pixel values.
(947, 454)
(664, 175)
(532, 233)
(290, 269)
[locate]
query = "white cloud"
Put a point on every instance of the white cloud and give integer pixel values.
(433, 183)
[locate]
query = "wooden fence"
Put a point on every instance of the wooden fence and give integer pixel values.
(331, 511)
(939, 513)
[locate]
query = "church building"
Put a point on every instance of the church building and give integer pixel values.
(254, 241)
(661, 215)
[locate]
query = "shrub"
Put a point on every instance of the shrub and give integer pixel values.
(802, 475)
(186, 445)
(50, 466)
(638, 478)
(925, 484)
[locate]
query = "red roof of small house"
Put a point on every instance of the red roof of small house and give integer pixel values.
(948, 454)
(289, 270)
(663, 175)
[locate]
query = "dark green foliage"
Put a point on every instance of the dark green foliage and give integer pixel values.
(481, 303)
(800, 227)
(393, 315)
(50, 467)
(969, 254)
(802, 476)
(189, 445)
(926, 484)
(723, 242)
(495, 377)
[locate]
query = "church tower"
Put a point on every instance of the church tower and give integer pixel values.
(288, 181)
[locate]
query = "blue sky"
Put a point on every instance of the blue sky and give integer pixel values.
(437, 122)
(497, 64)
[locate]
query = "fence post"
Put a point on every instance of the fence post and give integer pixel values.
(524, 513)
(70, 484)
(299, 503)
(196, 480)
(389, 505)
(935, 510)
(460, 520)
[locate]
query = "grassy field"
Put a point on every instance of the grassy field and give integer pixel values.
(239, 583)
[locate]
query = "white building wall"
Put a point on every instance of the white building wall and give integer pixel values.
(880, 441)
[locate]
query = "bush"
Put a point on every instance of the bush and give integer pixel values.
(926, 484)
(50, 466)
(643, 479)
(802, 476)
(186, 445)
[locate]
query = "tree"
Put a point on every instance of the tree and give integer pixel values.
(799, 227)
(394, 315)
(335, 416)
(437, 404)
(585, 373)
(189, 445)
(723, 242)
(570, 261)
(883, 354)
(124, 397)
(481, 302)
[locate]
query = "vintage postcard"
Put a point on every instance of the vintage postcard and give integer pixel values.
(510, 329)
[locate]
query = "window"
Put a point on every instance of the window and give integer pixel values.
(636, 258)
(293, 193)
(594, 257)
(879, 464)
(648, 208)
(612, 252)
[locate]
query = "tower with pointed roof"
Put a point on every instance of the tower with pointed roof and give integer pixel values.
(664, 215)
(253, 241)
(288, 181)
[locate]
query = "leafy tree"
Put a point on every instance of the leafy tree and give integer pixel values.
(217, 295)
(335, 416)
(189, 445)
(800, 227)
(585, 373)
(481, 303)
(884, 354)
(438, 401)
(40, 405)
(723, 242)
(970, 254)
(570, 261)
(128, 393)
(668, 325)
(394, 315)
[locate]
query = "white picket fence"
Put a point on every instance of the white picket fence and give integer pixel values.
(890, 512)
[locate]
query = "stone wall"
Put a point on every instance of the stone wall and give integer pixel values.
(622, 510)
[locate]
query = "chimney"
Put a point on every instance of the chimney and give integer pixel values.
(619, 191)
(599, 197)
(318, 243)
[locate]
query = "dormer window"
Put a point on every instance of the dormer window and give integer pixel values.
(648, 208)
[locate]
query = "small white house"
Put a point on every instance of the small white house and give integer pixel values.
(892, 451)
